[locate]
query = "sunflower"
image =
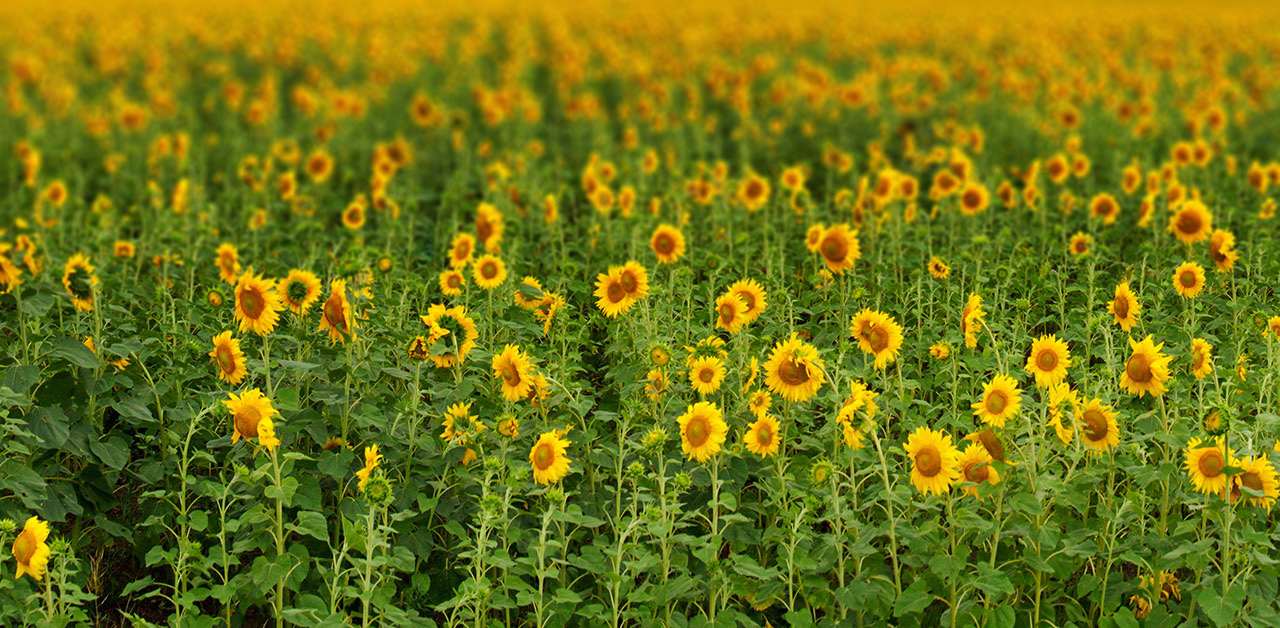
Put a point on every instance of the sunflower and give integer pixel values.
(1206, 465)
(1146, 370)
(934, 461)
(759, 402)
(550, 209)
(514, 368)
(10, 274)
(462, 332)
(452, 281)
(971, 320)
(655, 384)
(762, 436)
(1273, 326)
(974, 198)
(1098, 427)
(753, 192)
(251, 414)
(730, 313)
(319, 165)
(229, 358)
(489, 227)
(1079, 244)
(31, 550)
(813, 237)
(489, 272)
(456, 419)
(1049, 360)
(753, 295)
(258, 303)
(939, 269)
(419, 348)
(228, 263)
(634, 280)
(547, 308)
(1201, 358)
(1124, 307)
(528, 293)
(371, 461)
(706, 374)
(124, 249)
(1001, 399)
(702, 431)
(977, 466)
(1222, 245)
(1104, 206)
(611, 298)
(794, 370)
(1192, 222)
(877, 335)
(839, 248)
(300, 289)
(1257, 474)
(354, 217)
(667, 243)
(335, 314)
(79, 280)
(1188, 279)
(461, 250)
(548, 458)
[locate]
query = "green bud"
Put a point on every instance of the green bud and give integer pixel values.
(683, 481)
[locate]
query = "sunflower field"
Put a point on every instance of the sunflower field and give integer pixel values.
(698, 313)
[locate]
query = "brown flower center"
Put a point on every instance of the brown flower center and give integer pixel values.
(247, 419)
(1095, 425)
(928, 462)
(698, 431)
(252, 303)
(1211, 463)
(24, 547)
(628, 282)
(972, 199)
(544, 456)
(488, 270)
(334, 313)
(1139, 368)
(834, 248)
(727, 314)
(793, 373)
(1187, 279)
(975, 473)
(1121, 306)
(706, 375)
(664, 244)
(510, 375)
(226, 361)
(484, 229)
(1189, 222)
(615, 292)
(1047, 360)
(997, 402)
(764, 435)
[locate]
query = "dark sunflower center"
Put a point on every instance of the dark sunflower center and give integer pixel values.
(1188, 223)
(615, 292)
(226, 361)
(754, 190)
(488, 270)
(997, 402)
(1095, 425)
(334, 312)
(664, 244)
(24, 547)
(454, 281)
(628, 282)
(994, 448)
(463, 250)
(834, 248)
(747, 298)
(764, 435)
(1198, 359)
(1122, 306)
(972, 199)
(976, 474)
(793, 373)
(1251, 480)
(928, 462)
(706, 375)
(1047, 360)
(484, 230)
(247, 419)
(1211, 463)
(1187, 279)
(510, 375)
(252, 302)
(728, 313)
(878, 338)
(1139, 368)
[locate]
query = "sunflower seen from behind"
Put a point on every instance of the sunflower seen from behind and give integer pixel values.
(460, 339)
(300, 289)
(934, 461)
(702, 431)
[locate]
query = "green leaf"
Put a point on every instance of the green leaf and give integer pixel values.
(313, 524)
(75, 352)
(913, 599)
(1221, 610)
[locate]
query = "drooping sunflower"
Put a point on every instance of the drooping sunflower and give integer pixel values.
(462, 332)
(1147, 369)
(300, 289)
(229, 358)
(1257, 474)
(753, 295)
(1201, 358)
(549, 458)
(655, 384)
(1192, 222)
(461, 250)
(1049, 360)
(251, 414)
(1188, 279)
(1124, 307)
(667, 243)
(1222, 248)
(31, 549)
(80, 281)
(934, 461)
(258, 303)
(335, 314)
(1205, 465)
(489, 227)
(1079, 244)
(489, 272)
(794, 370)
(706, 374)
(939, 269)
(1098, 428)
(971, 320)
(228, 263)
(839, 248)
(515, 370)
(878, 335)
(730, 313)
(371, 461)
(1001, 400)
(702, 431)
(452, 281)
(977, 466)
(762, 436)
